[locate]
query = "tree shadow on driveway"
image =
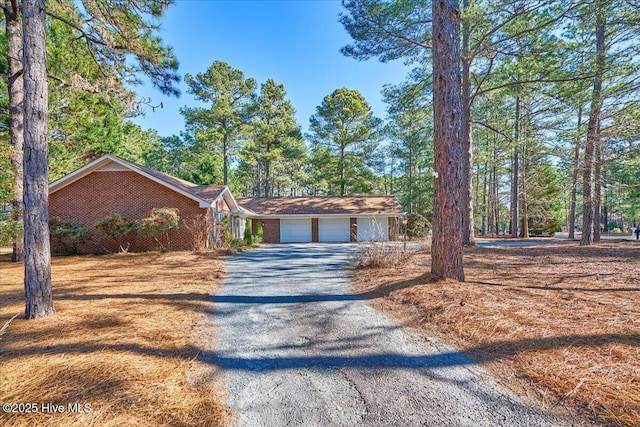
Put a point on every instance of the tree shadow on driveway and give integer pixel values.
(472, 356)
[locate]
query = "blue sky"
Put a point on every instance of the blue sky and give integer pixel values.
(295, 42)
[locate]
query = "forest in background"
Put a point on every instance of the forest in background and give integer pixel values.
(529, 67)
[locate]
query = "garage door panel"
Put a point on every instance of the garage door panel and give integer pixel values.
(373, 229)
(334, 230)
(295, 230)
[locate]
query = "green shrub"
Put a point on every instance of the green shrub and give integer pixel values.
(68, 235)
(248, 235)
(543, 226)
(226, 231)
(119, 229)
(417, 226)
(259, 232)
(10, 230)
(613, 225)
(158, 223)
(236, 243)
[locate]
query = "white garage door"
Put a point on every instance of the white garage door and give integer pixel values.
(333, 230)
(372, 229)
(295, 230)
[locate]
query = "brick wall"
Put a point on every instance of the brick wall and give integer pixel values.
(353, 225)
(130, 194)
(271, 230)
(314, 229)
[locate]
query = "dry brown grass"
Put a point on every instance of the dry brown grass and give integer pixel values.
(563, 319)
(389, 254)
(125, 340)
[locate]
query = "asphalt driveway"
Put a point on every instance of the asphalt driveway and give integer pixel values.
(297, 348)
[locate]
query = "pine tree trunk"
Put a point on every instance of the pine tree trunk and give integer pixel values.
(267, 183)
(495, 194)
(391, 176)
(467, 138)
(605, 212)
(524, 231)
(515, 174)
(597, 188)
(342, 171)
(258, 181)
(411, 177)
(16, 117)
(574, 185)
(492, 218)
(515, 195)
(592, 131)
(525, 212)
(587, 200)
(225, 159)
(37, 278)
(446, 248)
(485, 185)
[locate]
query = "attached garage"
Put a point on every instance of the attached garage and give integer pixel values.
(373, 229)
(295, 230)
(334, 230)
(324, 218)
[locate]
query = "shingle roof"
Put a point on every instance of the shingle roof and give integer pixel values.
(347, 205)
(208, 193)
(205, 194)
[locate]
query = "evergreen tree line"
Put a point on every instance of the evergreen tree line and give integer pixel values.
(246, 136)
(550, 103)
(530, 75)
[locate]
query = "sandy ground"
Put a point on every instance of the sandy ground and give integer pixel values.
(549, 318)
(124, 341)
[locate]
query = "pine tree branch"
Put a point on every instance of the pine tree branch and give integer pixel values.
(84, 34)
(58, 79)
(526, 82)
(494, 129)
(14, 77)
(484, 78)
(393, 33)
(540, 26)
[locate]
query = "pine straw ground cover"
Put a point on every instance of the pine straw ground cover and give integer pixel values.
(124, 340)
(561, 323)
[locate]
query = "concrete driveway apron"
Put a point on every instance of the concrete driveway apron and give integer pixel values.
(298, 349)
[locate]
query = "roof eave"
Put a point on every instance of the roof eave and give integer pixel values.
(228, 197)
(92, 166)
(79, 173)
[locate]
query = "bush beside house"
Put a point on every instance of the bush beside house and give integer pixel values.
(132, 196)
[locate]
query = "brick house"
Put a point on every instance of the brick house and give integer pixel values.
(110, 185)
(113, 185)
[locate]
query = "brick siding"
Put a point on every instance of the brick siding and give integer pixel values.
(314, 229)
(353, 226)
(130, 194)
(270, 229)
